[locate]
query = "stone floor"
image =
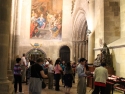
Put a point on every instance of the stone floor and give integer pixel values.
(73, 90)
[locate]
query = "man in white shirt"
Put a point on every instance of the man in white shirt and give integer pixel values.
(23, 66)
(50, 74)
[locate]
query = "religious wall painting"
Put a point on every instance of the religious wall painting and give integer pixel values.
(46, 19)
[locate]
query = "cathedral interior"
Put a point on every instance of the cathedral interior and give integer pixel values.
(69, 29)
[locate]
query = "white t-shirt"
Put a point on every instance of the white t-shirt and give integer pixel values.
(50, 68)
(23, 61)
(28, 64)
(47, 62)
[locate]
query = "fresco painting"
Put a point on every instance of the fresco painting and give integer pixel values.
(46, 19)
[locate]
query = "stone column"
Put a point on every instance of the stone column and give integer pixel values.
(83, 49)
(91, 48)
(5, 20)
(73, 52)
(16, 23)
(18, 10)
(77, 51)
(10, 38)
(80, 49)
(9, 72)
(91, 28)
(87, 49)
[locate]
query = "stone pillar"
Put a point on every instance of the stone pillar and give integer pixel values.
(16, 23)
(73, 52)
(83, 49)
(91, 28)
(11, 34)
(18, 10)
(86, 50)
(9, 72)
(5, 20)
(91, 48)
(80, 49)
(77, 51)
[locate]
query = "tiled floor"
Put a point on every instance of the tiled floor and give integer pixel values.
(73, 90)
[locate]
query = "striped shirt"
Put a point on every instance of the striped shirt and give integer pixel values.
(17, 70)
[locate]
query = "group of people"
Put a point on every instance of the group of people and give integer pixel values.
(61, 70)
(42, 69)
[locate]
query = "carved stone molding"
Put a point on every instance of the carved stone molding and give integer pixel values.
(111, 47)
(73, 4)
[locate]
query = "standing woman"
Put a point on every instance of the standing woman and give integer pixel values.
(57, 70)
(37, 74)
(68, 78)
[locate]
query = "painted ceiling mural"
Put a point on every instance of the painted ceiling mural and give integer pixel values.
(46, 19)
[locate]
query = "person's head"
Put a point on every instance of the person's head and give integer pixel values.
(57, 62)
(59, 58)
(82, 61)
(40, 60)
(50, 62)
(63, 62)
(23, 54)
(103, 64)
(86, 61)
(104, 45)
(18, 60)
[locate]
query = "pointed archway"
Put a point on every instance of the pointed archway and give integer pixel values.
(80, 39)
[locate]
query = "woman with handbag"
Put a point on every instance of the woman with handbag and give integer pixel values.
(37, 74)
(57, 70)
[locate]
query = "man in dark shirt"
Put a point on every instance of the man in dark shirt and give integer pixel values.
(35, 71)
(36, 74)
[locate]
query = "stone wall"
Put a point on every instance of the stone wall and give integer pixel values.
(111, 20)
(50, 47)
(117, 34)
(119, 52)
(122, 18)
(99, 22)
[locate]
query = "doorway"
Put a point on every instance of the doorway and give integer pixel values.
(64, 53)
(34, 54)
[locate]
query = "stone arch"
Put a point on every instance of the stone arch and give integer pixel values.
(64, 53)
(79, 23)
(37, 52)
(79, 35)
